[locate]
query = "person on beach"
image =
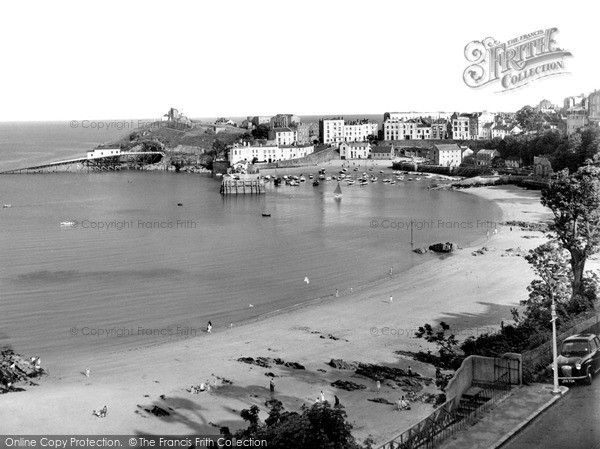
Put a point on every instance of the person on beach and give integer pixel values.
(322, 396)
(337, 293)
(337, 400)
(487, 234)
(208, 327)
(87, 372)
(272, 386)
(378, 385)
(391, 271)
(391, 299)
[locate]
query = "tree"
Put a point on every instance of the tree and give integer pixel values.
(318, 426)
(261, 131)
(575, 202)
(529, 119)
(447, 344)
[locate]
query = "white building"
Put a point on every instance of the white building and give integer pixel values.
(283, 136)
(415, 115)
(397, 129)
(332, 130)
(460, 128)
(447, 155)
(103, 152)
(268, 153)
(359, 130)
(355, 150)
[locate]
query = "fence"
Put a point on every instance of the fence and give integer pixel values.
(539, 358)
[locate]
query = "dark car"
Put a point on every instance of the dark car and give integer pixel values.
(579, 358)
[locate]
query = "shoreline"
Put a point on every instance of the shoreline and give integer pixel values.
(123, 379)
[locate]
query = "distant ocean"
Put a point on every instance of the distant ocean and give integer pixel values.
(138, 269)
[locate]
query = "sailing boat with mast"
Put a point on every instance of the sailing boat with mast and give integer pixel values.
(337, 193)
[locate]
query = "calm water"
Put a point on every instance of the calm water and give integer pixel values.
(166, 269)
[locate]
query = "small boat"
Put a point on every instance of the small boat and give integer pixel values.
(6, 206)
(355, 169)
(266, 215)
(294, 183)
(302, 179)
(277, 182)
(180, 204)
(316, 182)
(350, 181)
(67, 224)
(392, 182)
(321, 176)
(337, 193)
(380, 171)
(310, 176)
(328, 178)
(363, 182)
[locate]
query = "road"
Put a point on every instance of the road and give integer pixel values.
(572, 423)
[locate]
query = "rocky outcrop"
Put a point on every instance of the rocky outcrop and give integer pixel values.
(266, 362)
(347, 385)
(381, 401)
(14, 369)
(443, 247)
(340, 364)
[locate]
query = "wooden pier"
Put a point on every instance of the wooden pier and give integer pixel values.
(242, 187)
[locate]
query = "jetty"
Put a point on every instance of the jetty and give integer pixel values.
(128, 160)
(241, 187)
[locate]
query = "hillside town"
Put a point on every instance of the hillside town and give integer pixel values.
(437, 138)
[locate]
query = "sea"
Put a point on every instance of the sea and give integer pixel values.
(152, 256)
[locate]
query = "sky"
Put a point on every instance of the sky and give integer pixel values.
(84, 60)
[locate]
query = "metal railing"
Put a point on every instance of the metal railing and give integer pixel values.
(451, 417)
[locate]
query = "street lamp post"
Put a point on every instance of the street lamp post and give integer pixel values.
(555, 389)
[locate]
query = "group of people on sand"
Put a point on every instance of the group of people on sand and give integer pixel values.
(402, 404)
(101, 412)
(37, 362)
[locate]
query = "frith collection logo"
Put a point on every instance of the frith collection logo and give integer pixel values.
(515, 63)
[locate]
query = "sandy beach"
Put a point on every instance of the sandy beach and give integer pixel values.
(471, 293)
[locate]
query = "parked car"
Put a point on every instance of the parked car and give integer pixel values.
(579, 358)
